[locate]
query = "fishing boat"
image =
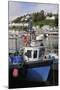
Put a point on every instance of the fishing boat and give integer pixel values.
(32, 67)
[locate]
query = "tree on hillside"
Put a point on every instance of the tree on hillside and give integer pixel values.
(42, 15)
(39, 16)
(49, 14)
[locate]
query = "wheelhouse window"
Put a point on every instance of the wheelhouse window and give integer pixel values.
(35, 54)
(40, 53)
(28, 53)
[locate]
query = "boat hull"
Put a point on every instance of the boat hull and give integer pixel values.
(34, 74)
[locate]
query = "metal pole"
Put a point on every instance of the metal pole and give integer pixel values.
(16, 43)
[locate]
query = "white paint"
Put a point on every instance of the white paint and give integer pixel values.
(40, 37)
(32, 53)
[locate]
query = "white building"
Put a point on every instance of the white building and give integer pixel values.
(50, 18)
(18, 24)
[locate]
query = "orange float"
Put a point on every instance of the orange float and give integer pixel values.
(25, 39)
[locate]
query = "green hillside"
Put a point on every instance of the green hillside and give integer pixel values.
(38, 18)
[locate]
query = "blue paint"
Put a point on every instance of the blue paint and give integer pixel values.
(39, 73)
(16, 59)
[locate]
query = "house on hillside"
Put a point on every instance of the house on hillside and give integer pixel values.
(50, 18)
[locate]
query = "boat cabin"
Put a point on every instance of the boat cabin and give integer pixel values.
(33, 53)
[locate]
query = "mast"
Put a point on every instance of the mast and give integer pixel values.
(30, 30)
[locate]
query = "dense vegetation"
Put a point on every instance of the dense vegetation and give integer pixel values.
(39, 18)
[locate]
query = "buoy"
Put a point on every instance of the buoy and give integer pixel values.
(25, 39)
(15, 72)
